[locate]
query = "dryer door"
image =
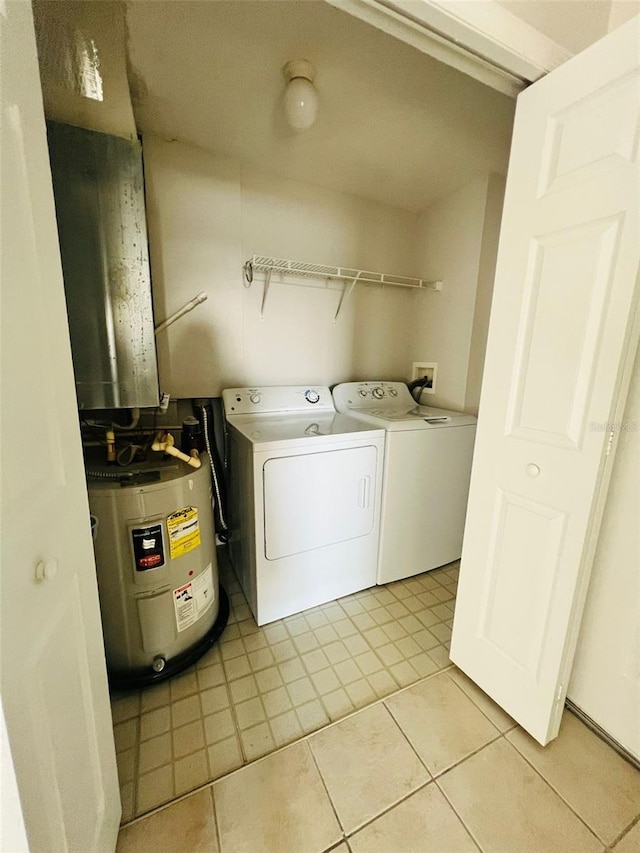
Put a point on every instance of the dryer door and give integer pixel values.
(318, 499)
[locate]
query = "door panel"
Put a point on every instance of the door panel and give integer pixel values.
(54, 686)
(563, 322)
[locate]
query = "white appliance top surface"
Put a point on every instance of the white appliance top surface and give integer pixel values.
(295, 414)
(391, 406)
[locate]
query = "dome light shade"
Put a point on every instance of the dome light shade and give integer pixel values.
(300, 96)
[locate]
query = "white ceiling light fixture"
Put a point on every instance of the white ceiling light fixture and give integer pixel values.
(300, 96)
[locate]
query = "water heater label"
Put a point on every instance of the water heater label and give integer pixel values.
(193, 599)
(148, 548)
(184, 531)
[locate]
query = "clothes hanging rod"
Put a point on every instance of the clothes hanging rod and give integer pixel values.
(260, 263)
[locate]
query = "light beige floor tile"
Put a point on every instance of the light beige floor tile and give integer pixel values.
(424, 823)
(325, 681)
(225, 756)
(268, 679)
(368, 663)
(284, 651)
(500, 719)
(292, 670)
(507, 807)
(154, 789)
(187, 825)
(423, 664)
(337, 704)
(315, 661)
(212, 676)
(337, 652)
(125, 706)
(213, 700)
(155, 723)
(125, 734)
(301, 691)
(254, 641)
(381, 767)
(127, 797)
(345, 628)
(597, 783)
(243, 688)
(154, 753)
(440, 656)
(361, 693)
(404, 673)
(290, 810)
(312, 716)
(250, 713)
(347, 672)
(183, 685)
(187, 710)
(285, 728)
(237, 667)
(155, 697)
(261, 659)
(441, 722)
(188, 739)
(126, 762)
(219, 726)
(257, 741)
(276, 702)
(630, 843)
(191, 771)
(383, 683)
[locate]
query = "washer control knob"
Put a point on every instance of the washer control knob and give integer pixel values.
(393, 392)
(255, 398)
(363, 392)
(378, 393)
(311, 396)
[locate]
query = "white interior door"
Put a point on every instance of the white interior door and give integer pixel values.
(561, 341)
(54, 688)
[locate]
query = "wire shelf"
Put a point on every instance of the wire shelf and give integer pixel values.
(350, 277)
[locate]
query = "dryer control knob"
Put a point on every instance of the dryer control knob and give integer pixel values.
(255, 398)
(311, 396)
(378, 393)
(393, 392)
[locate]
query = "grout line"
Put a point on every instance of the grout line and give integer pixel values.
(475, 840)
(624, 832)
(550, 785)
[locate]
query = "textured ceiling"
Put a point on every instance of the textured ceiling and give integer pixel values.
(393, 125)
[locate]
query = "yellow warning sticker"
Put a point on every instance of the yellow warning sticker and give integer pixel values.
(184, 531)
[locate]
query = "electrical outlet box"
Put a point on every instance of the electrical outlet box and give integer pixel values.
(428, 370)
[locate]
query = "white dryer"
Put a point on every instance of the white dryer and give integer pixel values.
(427, 469)
(305, 488)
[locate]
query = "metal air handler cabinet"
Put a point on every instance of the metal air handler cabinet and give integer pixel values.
(161, 603)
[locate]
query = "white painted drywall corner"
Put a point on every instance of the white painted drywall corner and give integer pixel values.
(83, 65)
(449, 246)
(484, 291)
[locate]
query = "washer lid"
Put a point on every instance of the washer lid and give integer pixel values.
(314, 427)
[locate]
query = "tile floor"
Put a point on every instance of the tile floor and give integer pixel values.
(263, 688)
(434, 768)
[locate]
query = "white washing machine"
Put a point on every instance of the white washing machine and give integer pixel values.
(305, 487)
(427, 469)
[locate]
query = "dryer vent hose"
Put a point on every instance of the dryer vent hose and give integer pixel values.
(205, 415)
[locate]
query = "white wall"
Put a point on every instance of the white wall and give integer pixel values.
(208, 215)
(450, 242)
(605, 681)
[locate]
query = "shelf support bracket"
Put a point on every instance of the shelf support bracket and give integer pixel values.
(265, 291)
(347, 290)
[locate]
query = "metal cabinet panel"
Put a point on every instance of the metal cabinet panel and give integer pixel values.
(99, 196)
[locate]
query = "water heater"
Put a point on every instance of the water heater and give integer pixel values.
(161, 603)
